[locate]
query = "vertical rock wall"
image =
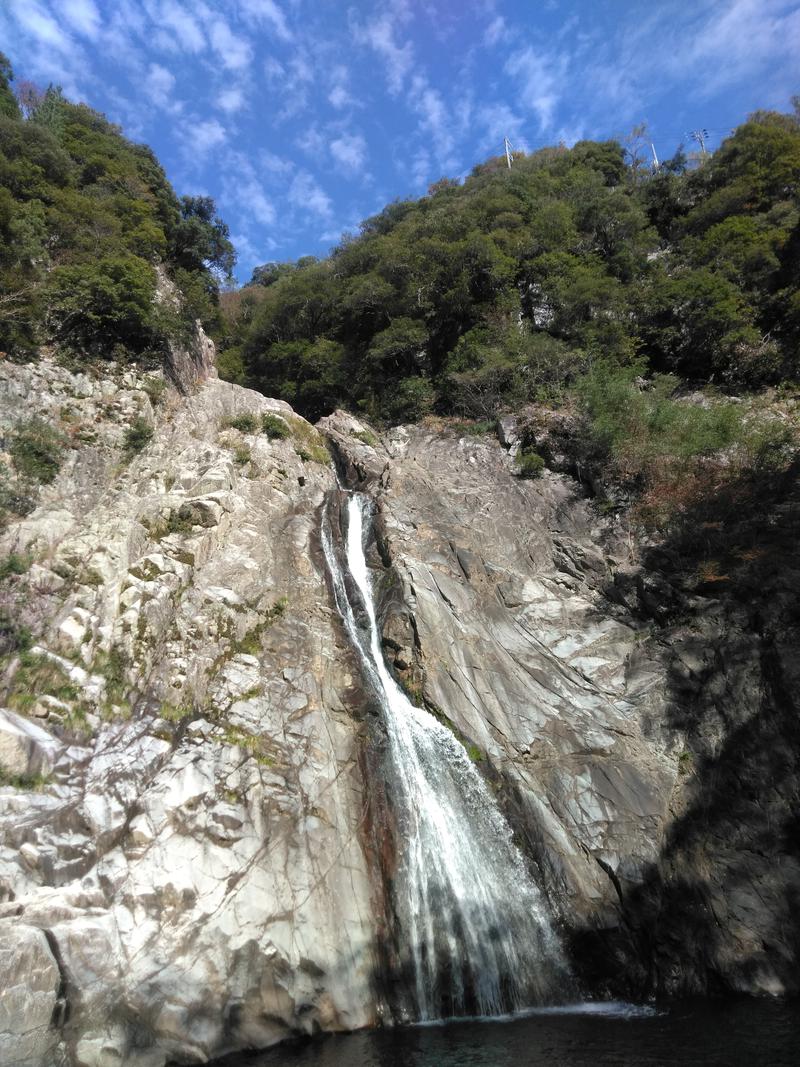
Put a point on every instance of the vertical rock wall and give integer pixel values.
(181, 869)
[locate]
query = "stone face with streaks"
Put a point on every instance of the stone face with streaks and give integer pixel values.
(190, 878)
(501, 623)
(187, 848)
(644, 741)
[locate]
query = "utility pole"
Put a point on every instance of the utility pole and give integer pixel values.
(509, 156)
(701, 136)
(656, 164)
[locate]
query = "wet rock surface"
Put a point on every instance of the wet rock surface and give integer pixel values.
(642, 737)
(188, 825)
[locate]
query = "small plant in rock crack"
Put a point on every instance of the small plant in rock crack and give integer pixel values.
(244, 423)
(274, 427)
(529, 464)
(37, 450)
(138, 435)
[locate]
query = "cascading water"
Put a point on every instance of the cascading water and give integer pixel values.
(474, 924)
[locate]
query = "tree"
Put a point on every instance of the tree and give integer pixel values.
(268, 273)
(8, 102)
(696, 322)
(106, 303)
(637, 153)
(201, 239)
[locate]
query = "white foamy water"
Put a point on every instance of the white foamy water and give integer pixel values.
(474, 923)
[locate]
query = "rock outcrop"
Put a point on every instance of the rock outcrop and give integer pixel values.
(180, 863)
(187, 835)
(641, 730)
(500, 625)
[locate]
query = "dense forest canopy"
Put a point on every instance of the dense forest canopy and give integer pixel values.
(85, 218)
(512, 285)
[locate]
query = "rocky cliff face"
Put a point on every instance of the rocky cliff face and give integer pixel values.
(188, 832)
(641, 728)
(188, 876)
(500, 625)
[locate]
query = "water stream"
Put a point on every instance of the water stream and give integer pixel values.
(474, 924)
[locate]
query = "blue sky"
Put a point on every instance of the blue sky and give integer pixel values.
(301, 117)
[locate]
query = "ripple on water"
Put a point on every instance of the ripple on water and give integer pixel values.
(739, 1033)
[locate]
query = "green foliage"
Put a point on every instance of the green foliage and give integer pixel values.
(137, 435)
(30, 783)
(8, 102)
(181, 520)
(675, 451)
(38, 675)
(310, 445)
(246, 423)
(37, 450)
(529, 464)
(241, 454)
(250, 743)
(112, 665)
(641, 423)
(96, 306)
(14, 564)
(16, 496)
(175, 713)
(504, 289)
(230, 366)
(13, 636)
(155, 389)
(84, 216)
(201, 237)
(274, 427)
(250, 643)
(411, 399)
(366, 437)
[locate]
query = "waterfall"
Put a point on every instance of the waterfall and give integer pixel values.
(472, 921)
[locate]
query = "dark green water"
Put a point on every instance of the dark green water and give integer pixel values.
(750, 1033)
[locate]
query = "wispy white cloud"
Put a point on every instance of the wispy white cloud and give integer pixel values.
(308, 195)
(121, 36)
(158, 85)
(291, 81)
(254, 200)
(311, 141)
(231, 100)
(350, 152)
(497, 121)
(442, 124)
(339, 97)
(175, 28)
(202, 137)
(379, 35)
(234, 51)
(496, 31)
(244, 192)
(53, 54)
(538, 76)
(274, 71)
(253, 251)
(82, 16)
(267, 11)
(421, 168)
(273, 163)
(739, 38)
(35, 21)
